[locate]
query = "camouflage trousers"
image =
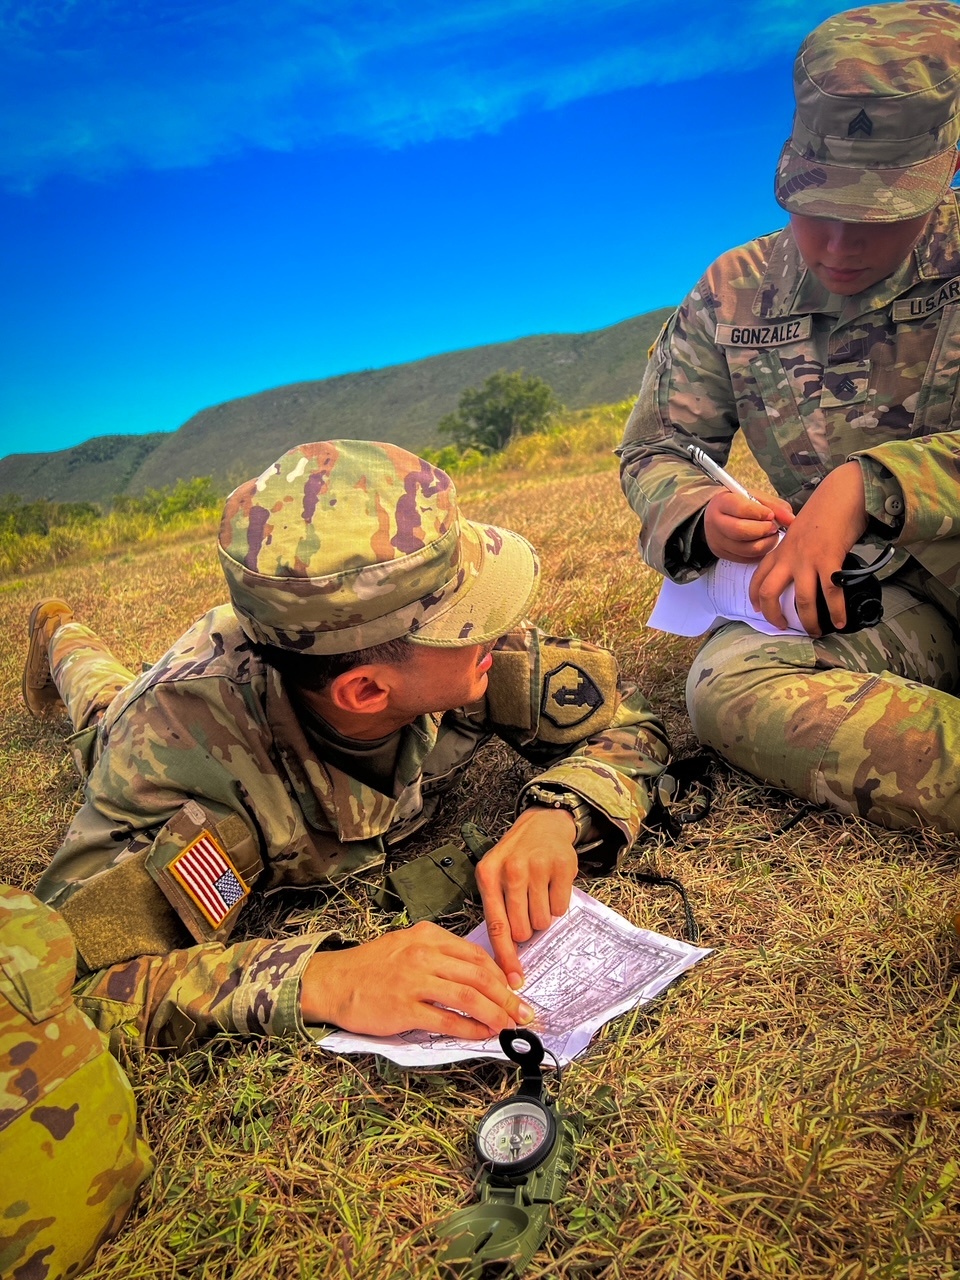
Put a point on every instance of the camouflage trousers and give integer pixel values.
(867, 723)
(87, 675)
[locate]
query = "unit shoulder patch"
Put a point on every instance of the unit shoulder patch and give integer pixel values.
(570, 696)
(208, 877)
(918, 308)
(778, 334)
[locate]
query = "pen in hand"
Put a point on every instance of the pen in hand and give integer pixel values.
(719, 476)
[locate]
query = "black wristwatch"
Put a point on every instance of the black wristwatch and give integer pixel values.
(548, 798)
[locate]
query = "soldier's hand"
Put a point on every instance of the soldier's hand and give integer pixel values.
(740, 530)
(411, 979)
(525, 880)
(814, 547)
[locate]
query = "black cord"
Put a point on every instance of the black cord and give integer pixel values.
(683, 794)
(805, 810)
(556, 1063)
(691, 928)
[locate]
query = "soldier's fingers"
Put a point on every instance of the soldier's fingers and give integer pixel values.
(725, 511)
(499, 977)
(749, 528)
(731, 504)
(771, 588)
(430, 949)
(760, 576)
(782, 512)
(734, 531)
(836, 602)
(744, 540)
(742, 552)
(447, 1022)
(471, 953)
(487, 981)
(774, 614)
(757, 549)
(517, 901)
(467, 991)
(806, 590)
(561, 888)
(538, 903)
(501, 937)
(489, 882)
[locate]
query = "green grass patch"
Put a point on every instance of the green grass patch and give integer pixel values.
(41, 535)
(790, 1109)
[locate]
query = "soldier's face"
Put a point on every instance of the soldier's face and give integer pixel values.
(434, 679)
(849, 257)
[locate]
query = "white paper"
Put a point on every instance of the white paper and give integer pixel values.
(589, 966)
(721, 594)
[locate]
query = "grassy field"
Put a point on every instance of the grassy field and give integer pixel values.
(790, 1109)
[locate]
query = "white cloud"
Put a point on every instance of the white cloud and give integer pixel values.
(100, 87)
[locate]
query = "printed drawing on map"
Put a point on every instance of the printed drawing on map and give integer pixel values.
(589, 966)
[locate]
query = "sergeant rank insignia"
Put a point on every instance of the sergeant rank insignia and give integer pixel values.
(861, 123)
(569, 696)
(207, 875)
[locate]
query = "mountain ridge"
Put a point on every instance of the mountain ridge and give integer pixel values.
(402, 403)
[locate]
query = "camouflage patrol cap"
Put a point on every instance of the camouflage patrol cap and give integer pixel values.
(346, 543)
(878, 114)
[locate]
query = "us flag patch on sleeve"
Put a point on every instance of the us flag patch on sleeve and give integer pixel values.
(207, 875)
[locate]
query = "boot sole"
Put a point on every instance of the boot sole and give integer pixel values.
(39, 701)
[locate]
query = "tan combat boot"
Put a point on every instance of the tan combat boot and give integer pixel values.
(39, 692)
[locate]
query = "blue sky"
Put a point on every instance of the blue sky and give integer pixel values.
(200, 200)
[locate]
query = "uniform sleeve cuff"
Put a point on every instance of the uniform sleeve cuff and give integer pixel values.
(272, 1007)
(883, 496)
(621, 803)
(688, 548)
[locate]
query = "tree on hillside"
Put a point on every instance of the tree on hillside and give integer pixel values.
(506, 406)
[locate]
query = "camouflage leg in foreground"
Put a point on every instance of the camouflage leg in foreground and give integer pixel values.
(860, 722)
(71, 1159)
(87, 675)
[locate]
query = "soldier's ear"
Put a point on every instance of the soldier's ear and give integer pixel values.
(360, 691)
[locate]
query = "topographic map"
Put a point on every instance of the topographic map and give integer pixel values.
(589, 966)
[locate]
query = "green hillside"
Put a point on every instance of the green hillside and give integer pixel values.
(403, 403)
(90, 472)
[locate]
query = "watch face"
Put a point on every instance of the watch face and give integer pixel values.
(516, 1136)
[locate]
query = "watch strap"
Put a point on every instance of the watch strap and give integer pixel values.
(575, 805)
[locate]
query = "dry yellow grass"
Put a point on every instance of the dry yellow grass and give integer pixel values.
(790, 1109)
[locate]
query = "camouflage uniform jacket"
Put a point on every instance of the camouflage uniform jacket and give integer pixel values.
(812, 380)
(203, 756)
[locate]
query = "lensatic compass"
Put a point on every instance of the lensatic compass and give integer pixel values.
(526, 1145)
(515, 1137)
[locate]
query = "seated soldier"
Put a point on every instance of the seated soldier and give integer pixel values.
(374, 639)
(834, 346)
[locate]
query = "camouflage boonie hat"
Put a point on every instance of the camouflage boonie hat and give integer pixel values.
(878, 114)
(346, 543)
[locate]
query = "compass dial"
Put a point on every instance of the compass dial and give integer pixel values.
(515, 1134)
